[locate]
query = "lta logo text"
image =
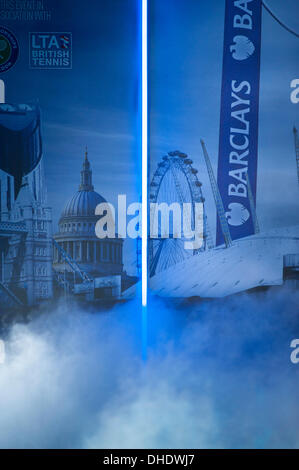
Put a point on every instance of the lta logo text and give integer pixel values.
(50, 50)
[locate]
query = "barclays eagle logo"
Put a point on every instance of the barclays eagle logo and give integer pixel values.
(242, 48)
(237, 214)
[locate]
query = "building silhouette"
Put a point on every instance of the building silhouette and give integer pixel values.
(25, 217)
(76, 237)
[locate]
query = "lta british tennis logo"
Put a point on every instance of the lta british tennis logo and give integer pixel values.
(50, 50)
(9, 49)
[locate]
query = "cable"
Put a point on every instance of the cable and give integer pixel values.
(279, 21)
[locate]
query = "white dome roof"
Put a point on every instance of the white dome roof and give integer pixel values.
(82, 204)
(85, 200)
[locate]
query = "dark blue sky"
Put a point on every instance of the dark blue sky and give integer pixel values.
(186, 67)
(93, 104)
(96, 103)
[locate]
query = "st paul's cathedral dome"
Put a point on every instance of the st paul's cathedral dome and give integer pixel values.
(85, 200)
(77, 232)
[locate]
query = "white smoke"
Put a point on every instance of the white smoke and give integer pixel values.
(218, 374)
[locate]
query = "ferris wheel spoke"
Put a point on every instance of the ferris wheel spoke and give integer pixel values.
(175, 181)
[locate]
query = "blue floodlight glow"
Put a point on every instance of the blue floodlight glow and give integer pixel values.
(144, 137)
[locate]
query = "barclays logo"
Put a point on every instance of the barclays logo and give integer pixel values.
(242, 48)
(237, 214)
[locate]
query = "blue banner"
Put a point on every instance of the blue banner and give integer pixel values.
(238, 141)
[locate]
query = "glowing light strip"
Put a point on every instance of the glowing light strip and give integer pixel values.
(144, 152)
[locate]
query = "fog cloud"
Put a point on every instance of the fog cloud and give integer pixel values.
(218, 374)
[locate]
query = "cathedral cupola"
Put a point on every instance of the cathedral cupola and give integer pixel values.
(86, 175)
(77, 237)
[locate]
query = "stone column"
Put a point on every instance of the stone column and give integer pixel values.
(94, 251)
(77, 250)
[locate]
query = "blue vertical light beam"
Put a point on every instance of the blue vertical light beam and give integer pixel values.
(144, 151)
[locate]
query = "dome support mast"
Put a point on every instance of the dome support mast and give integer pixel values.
(217, 198)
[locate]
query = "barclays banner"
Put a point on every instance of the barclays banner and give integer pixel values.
(238, 141)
